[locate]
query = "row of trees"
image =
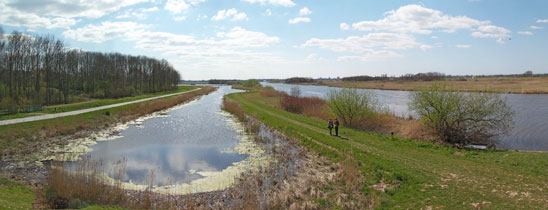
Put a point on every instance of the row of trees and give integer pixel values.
(429, 76)
(43, 70)
(299, 80)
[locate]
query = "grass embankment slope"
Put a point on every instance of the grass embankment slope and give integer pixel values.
(524, 85)
(416, 174)
(92, 104)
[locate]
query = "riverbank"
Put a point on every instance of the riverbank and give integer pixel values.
(414, 174)
(520, 85)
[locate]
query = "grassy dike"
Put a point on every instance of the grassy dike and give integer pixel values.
(92, 104)
(413, 174)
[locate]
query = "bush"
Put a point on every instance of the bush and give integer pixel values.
(349, 104)
(300, 104)
(251, 83)
(462, 118)
(299, 80)
(269, 91)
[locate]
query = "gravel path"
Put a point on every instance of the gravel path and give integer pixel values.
(64, 114)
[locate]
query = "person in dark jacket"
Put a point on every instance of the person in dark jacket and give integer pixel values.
(336, 127)
(330, 126)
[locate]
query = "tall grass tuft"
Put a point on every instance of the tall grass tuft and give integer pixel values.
(298, 105)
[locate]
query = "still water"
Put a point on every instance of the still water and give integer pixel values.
(530, 131)
(194, 143)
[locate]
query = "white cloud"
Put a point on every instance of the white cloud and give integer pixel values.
(140, 13)
(152, 9)
(542, 21)
(525, 33)
(177, 6)
(536, 27)
(236, 47)
(490, 31)
(344, 26)
(463, 46)
(70, 9)
(417, 19)
(305, 11)
(371, 46)
(13, 17)
(285, 3)
(365, 43)
(299, 20)
(426, 47)
(179, 18)
(268, 12)
(314, 58)
(370, 55)
(240, 37)
(224, 14)
(105, 31)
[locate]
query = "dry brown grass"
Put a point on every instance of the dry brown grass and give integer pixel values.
(234, 108)
(524, 85)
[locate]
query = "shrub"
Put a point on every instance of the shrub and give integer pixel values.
(349, 104)
(269, 91)
(462, 118)
(300, 104)
(251, 83)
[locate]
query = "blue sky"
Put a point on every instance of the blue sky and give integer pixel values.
(243, 39)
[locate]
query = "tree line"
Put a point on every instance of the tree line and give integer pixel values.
(42, 70)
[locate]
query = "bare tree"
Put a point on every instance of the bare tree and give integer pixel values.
(41, 70)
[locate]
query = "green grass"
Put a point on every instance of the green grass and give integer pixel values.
(420, 174)
(15, 196)
(92, 104)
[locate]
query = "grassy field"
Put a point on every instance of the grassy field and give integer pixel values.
(526, 85)
(92, 103)
(418, 175)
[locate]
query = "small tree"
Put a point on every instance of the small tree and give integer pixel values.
(295, 91)
(251, 83)
(348, 104)
(462, 118)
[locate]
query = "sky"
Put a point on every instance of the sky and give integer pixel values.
(243, 39)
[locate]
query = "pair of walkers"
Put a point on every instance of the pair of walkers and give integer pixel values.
(332, 125)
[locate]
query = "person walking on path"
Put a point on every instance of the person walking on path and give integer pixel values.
(337, 127)
(330, 126)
